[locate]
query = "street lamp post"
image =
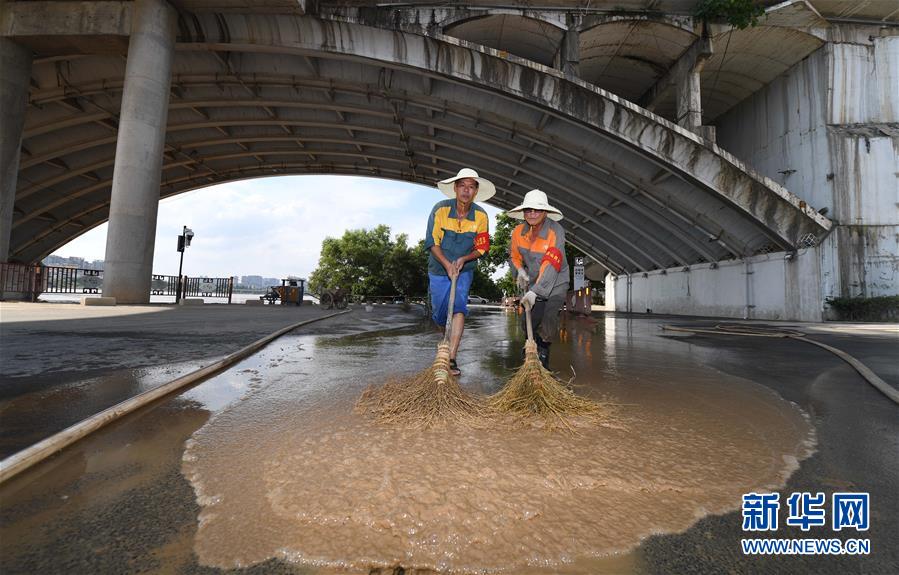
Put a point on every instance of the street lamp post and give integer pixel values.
(183, 241)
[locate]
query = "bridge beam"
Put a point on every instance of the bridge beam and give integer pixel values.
(15, 79)
(138, 160)
(66, 24)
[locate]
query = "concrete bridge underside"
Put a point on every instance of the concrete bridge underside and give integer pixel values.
(256, 95)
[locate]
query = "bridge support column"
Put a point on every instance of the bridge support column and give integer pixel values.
(689, 100)
(570, 52)
(684, 78)
(15, 77)
(138, 159)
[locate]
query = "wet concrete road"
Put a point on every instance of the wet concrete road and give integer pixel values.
(117, 502)
(61, 363)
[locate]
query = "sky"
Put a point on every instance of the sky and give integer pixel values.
(273, 227)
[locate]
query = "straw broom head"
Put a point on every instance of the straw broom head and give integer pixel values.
(430, 398)
(534, 394)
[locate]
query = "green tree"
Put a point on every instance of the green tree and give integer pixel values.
(506, 284)
(356, 262)
(498, 255)
(407, 267)
(738, 13)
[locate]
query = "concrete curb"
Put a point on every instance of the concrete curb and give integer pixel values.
(98, 301)
(18, 462)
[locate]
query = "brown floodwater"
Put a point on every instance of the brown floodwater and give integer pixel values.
(289, 472)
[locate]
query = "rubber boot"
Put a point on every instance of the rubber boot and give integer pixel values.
(543, 353)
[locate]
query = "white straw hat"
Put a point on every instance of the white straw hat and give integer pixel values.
(485, 187)
(535, 200)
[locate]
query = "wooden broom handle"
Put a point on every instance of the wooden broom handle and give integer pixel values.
(449, 310)
(527, 314)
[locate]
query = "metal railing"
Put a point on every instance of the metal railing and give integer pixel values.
(20, 279)
(163, 285)
(29, 281)
(208, 287)
(70, 280)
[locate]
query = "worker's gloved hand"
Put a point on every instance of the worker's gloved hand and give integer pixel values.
(523, 280)
(528, 300)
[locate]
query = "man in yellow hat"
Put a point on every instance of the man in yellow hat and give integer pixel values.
(457, 235)
(538, 262)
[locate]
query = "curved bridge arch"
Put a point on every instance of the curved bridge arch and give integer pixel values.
(258, 95)
(526, 35)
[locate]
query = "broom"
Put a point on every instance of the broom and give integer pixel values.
(429, 398)
(533, 393)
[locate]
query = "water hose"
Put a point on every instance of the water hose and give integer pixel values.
(863, 370)
(22, 460)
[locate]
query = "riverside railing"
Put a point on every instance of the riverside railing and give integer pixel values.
(29, 281)
(208, 287)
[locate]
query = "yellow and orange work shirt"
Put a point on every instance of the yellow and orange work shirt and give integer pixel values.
(542, 255)
(456, 236)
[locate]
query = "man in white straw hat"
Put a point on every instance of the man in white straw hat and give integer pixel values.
(537, 255)
(457, 235)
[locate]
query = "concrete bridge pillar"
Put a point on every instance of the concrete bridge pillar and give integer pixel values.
(689, 100)
(570, 52)
(15, 78)
(138, 159)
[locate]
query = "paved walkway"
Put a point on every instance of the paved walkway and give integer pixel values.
(46, 338)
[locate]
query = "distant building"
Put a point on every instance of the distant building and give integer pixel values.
(72, 262)
(258, 281)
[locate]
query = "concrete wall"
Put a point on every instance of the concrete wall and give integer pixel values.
(781, 131)
(828, 130)
(772, 286)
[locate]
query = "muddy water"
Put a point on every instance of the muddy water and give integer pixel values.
(323, 487)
